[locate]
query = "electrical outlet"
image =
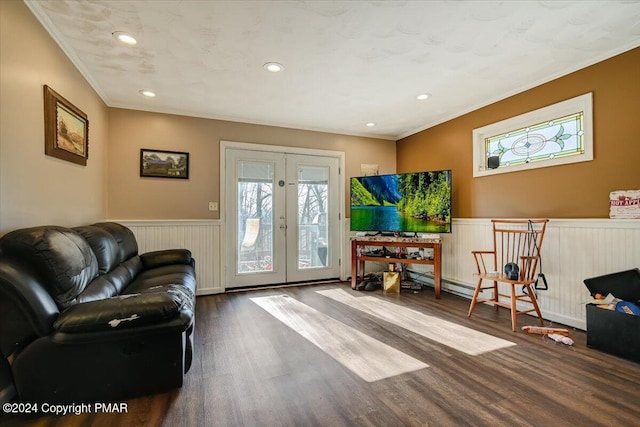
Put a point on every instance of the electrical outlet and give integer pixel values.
(213, 206)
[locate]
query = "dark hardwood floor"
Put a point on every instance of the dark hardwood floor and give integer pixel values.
(251, 370)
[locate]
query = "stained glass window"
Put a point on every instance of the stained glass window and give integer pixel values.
(554, 138)
(558, 134)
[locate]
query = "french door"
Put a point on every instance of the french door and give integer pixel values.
(282, 218)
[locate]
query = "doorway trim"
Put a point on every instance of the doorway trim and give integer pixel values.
(236, 145)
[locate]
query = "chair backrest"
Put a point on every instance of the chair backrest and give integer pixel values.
(520, 242)
(251, 232)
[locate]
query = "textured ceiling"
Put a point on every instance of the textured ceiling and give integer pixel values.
(346, 62)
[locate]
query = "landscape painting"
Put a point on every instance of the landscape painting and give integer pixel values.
(164, 164)
(412, 202)
(66, 129)
(70, 131)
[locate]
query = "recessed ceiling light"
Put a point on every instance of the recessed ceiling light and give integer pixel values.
(147, 93)
(274, 67)
(370, 124)
(124, 37)
(423, 96)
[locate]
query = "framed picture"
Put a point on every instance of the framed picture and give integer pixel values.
(164, 164)
(66, 129)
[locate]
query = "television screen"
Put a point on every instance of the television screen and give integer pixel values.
(418, 202)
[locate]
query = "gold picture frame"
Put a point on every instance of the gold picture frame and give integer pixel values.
(66, 129)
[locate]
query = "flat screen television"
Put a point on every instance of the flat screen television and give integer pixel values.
(418, 202)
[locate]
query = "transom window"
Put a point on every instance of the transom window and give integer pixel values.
(554, 135)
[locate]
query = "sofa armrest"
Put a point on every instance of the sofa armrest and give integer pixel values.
(121, 312)
(166, 257)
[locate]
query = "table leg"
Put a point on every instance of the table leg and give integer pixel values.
(436, 269)
(354, 264)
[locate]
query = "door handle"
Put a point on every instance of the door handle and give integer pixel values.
(283, 227)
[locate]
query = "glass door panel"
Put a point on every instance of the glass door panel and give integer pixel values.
(313, 194)
(255, 237)
(313, 218)
(255, 217)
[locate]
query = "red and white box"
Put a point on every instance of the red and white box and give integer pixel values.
(624, 204)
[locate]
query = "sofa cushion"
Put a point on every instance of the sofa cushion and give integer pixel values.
(133, 266)
(105, 247)
(111, 284)
(154, 306)
(99, 288)
(181, 274)
(166, 257)
(127, 245)
(60, 257)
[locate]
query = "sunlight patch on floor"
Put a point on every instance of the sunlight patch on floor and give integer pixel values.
(444, 332)
(367, 357)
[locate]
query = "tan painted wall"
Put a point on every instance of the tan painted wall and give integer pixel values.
(133, 197)
(579, 190)
(36, 189)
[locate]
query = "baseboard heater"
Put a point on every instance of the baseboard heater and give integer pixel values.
(449, 286)
(283, 285)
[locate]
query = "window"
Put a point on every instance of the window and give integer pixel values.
(554, 135)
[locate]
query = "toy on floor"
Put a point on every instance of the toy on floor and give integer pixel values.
(561, 338)
(542, 330)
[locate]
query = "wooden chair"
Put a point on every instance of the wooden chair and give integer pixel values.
(520, 242)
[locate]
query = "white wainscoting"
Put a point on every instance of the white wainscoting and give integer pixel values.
(201, 237)
(573, 250)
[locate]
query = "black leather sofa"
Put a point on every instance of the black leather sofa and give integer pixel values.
(84, 318)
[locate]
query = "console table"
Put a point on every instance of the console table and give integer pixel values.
(359, 255)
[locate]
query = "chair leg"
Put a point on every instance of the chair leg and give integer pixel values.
(475, 296)
(534, 301)
(514, 311)
(496, 296)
